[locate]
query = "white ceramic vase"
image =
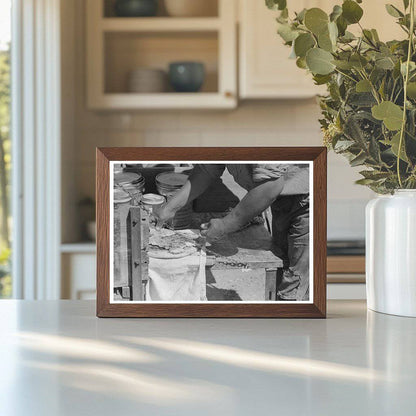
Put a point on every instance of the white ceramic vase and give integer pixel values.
(391, 253)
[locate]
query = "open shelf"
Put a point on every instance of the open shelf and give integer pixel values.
(160, 24)
(211, 9)
(127, 51)
(130, 101)
(80, 247)
(116, 46)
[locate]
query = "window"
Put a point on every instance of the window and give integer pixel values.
(5, 145)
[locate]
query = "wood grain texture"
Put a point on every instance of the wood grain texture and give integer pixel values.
(317, 309)
(346, 264)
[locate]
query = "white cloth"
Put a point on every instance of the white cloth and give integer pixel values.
(178, 280)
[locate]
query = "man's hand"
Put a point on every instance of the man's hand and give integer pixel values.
(214, 230)
(163, 213)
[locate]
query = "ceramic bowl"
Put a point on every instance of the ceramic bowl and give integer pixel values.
(186, 76)
(147, 80)
(136, 8)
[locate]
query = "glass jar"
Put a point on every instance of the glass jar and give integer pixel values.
(132, 183)
(167, 184)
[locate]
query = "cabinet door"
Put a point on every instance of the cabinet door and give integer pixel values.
(265, 68)
(376, 17)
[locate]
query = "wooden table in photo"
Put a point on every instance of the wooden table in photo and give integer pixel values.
(250, 248)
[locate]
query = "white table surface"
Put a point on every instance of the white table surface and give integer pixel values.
(58, 359)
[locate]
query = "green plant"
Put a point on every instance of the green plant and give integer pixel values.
(5, 278)
(369, 113)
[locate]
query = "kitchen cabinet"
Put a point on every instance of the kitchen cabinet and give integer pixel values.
(116, 46)
(78, 271)
(265, 70)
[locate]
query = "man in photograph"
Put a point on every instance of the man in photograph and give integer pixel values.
(267, 185)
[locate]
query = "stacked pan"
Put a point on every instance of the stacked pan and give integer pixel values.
(131, 183)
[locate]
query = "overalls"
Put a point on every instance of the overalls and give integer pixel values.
(290, 229)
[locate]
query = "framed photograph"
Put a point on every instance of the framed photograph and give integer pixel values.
(211, 232)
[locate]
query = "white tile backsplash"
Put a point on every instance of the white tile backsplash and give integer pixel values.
(346, 219)
(287, 123)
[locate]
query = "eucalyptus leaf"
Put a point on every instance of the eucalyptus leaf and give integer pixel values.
(412, 67)
(374, 150)
(368, 35)
(377, 74)
(284, 14)
(301, 63)
(333, 32)
(286, 32)
(276, 4)
(393, 11)
(411, 90)
(358, 61)
(336, 12)
(321, 79)
(320, 61)
(351, 11)
(391, 114)
(347, 37)
(300, 17)
(342, 25)
(325, 42)
(385, 63)
(394, 144)
(343, 145)
(375, 35)
(363, 86)
(316, 20)
(365, 182)
(343, 65)
(358, 160)
(396, 71)
(375, 175)
(361, 99)
(303, 43)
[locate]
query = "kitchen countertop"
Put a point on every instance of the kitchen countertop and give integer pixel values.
(58, 359)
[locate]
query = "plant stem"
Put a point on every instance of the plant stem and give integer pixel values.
(406, 80)
(345, 75)
(373, 89)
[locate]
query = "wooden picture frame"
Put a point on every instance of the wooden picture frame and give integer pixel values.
(315, 308)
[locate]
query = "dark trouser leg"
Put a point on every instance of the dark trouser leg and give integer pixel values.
(299, 252)
(291, 236)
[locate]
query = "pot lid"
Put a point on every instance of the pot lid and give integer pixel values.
(125, 178)
(153, 199)
(172, 179)
(120, 196)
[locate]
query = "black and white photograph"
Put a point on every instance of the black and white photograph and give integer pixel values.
(211, 232)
